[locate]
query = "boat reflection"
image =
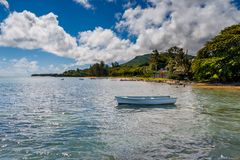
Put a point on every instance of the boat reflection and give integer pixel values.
(137, 106)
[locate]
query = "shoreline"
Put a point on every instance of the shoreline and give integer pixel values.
(197, 85)
(220, 86)
(158, 80)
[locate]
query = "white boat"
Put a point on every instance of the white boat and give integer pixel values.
(146, 100)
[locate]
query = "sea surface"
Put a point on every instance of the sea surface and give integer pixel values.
(50, 118)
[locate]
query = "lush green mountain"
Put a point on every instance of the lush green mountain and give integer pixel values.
(144, 60)
(139, 61)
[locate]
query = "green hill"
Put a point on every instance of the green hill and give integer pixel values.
(138, 61)
(143, 60)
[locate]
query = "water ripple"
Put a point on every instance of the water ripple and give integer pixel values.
(46, 118)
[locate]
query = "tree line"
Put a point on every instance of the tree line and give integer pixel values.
(175, 61)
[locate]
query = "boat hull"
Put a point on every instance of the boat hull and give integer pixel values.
(146, 100)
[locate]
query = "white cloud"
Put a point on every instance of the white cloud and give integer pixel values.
(130, 4)
(84, 3)
(103, 44)
(118, 15)
(26, 30)
(4, 3)
(18, 67)
(51, 69)
(26, 67)
(185, 23)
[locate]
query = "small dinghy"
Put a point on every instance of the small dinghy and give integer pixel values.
(145, 100)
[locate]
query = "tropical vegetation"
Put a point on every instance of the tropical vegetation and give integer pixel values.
(219, 59)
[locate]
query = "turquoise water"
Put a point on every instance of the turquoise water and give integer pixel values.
(50, 118)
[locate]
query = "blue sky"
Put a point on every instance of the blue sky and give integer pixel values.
(55, 35)
(72, 17)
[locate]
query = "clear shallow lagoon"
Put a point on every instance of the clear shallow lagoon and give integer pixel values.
(47, 118)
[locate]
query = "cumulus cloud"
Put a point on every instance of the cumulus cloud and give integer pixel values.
(4, 3)
(26, 30)
(187, 24)
(23, 63)
(18, 67)
(103, 44)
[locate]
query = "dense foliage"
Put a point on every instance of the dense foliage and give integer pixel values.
(97, 69)
(219, 59)
(179, 64)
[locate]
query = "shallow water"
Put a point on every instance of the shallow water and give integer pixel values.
(48, 118)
